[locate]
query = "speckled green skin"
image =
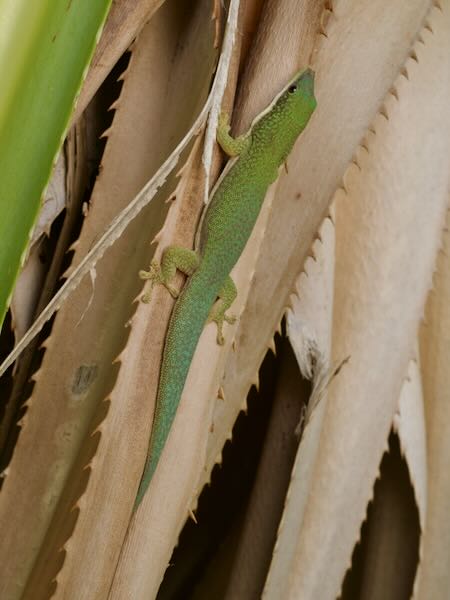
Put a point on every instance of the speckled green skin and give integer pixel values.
(228, 224)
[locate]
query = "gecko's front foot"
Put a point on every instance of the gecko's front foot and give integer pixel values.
(218, 312)
(155, 276)
(224, 122)
(229, 144)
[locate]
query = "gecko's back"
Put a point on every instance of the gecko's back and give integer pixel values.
(236, 204)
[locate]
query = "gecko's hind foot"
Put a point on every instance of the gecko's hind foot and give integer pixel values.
(218, 313)
(218, 317)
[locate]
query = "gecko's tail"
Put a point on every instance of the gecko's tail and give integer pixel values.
(186, 324)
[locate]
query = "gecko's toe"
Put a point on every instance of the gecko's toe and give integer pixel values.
(145, 274)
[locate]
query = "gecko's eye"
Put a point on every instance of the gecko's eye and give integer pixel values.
(293, 88)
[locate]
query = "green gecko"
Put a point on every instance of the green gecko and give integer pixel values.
(226, 226)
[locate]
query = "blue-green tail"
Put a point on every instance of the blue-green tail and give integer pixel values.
(187, 321)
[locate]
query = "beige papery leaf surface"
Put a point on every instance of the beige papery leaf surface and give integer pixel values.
(394, 194)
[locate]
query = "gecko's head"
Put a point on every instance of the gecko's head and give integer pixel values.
(287, 116)
(297, 100)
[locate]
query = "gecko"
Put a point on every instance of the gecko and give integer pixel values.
(225, 227)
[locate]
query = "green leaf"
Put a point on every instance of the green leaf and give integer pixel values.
(45, 47)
